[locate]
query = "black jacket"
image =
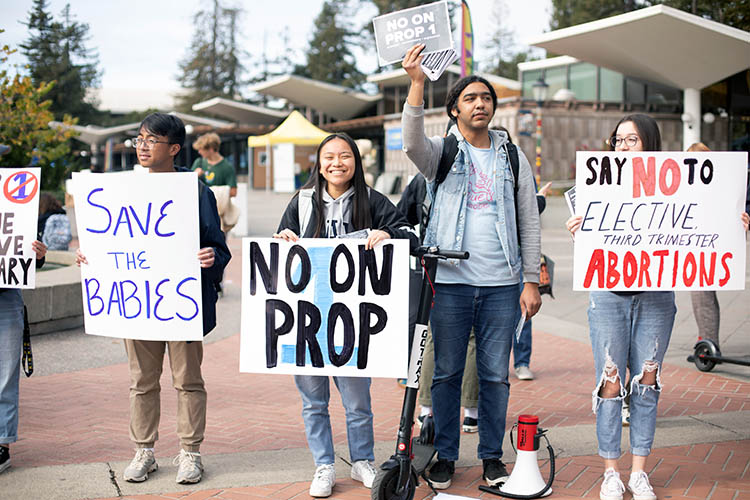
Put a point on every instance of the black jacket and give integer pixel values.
(210, 236)
(385, 216)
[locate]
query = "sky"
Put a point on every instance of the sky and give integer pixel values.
(140, 42)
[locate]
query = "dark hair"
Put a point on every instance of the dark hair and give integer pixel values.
(169, 126)
(48, 203)
(455, 92)
(648, 131)
(361, 217)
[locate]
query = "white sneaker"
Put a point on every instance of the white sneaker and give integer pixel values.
(189, 467)
(640, 487)
(612, 487)
(524, 373)
(323, 481)
(364, 472)
(139, 468)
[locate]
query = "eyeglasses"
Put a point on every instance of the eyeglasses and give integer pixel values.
(149, 143)
(630, 141)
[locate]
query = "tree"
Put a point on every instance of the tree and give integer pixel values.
(567, 13)
(57, 52)
(735, 13)
(330, 58)
(24, 125)
(505, 54)
(212, 66)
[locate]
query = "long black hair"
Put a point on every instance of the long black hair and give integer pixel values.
(648, 131)
(361, 217)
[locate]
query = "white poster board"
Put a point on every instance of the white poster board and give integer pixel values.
(355, 305)
(139, 233)
(19, 210)
(660, 221)
(397, 32)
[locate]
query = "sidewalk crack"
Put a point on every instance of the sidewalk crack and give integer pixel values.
(717, 426)
(113, 479)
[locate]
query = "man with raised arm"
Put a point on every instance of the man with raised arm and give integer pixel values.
(480, 207)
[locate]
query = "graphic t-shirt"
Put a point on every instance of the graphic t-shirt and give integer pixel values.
(486, 265)
(221, 174)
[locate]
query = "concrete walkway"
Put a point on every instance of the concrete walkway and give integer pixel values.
(74, 410)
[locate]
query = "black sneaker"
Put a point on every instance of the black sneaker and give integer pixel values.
(494, 471)
(4, 458)
(441, 474)
(470, 425)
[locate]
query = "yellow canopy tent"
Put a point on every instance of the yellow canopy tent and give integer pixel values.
(295, 129)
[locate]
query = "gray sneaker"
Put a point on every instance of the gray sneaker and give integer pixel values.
(190, 468)
(139, 468)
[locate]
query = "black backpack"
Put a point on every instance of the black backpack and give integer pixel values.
(448, 156)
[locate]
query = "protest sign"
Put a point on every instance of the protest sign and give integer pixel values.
(325, 307)
(139, 233)
(398, 31)
(660, 221)
(18, 221)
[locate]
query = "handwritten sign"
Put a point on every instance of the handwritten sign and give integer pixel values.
(19, 209)
(325, 307)
(398, 31)
(660, 221)
(139, 233)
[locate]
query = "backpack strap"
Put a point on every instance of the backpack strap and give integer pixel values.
(304, 209)
(512, 151)
(447, 157)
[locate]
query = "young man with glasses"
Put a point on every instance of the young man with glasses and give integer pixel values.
(160, 138)
(474, 209)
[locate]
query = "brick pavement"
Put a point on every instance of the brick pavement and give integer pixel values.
(717, 471)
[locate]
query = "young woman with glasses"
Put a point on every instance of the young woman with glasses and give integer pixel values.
(628, 329)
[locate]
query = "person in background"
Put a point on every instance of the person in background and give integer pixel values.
(53, 226)
(705, 303)
(211, 167)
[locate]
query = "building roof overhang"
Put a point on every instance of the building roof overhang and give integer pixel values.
(658, 44)
(337, 101)
(240, 112)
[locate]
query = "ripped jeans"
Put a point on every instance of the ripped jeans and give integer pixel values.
(628, 331)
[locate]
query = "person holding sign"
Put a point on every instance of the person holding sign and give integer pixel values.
(628, 329)
(336, 201)
(160, 138)
(11, 340)
(481, 206)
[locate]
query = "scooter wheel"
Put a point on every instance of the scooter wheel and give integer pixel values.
(386, 482)
(704, 349)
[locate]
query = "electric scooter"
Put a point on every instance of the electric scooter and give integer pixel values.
(707, 354)
(397, 477)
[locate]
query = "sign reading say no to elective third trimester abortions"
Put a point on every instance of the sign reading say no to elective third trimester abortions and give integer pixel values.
(660, 221)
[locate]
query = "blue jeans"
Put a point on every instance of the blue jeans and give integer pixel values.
(629, 331)
(11, 340)
(522, 347)
(493, 313)
(355, 396)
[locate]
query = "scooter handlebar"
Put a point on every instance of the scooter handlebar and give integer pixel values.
(436, 252)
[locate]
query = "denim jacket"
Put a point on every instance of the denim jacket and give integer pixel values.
(448, 218)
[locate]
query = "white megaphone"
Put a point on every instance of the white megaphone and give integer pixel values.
(525, 480)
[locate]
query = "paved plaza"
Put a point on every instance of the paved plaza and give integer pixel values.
(74, 410)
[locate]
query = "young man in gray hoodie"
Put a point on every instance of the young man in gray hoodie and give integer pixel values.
(474, 209)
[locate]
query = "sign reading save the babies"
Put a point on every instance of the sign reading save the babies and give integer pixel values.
(139, 233)
(325, 307)
(19, 207)
(660, 221)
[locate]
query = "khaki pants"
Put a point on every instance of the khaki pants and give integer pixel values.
(145, 359)
(470, 383)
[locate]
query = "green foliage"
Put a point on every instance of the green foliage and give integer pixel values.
(57, 52)
(329, 57)
(212, 67)
(24, 125)
(735, 13)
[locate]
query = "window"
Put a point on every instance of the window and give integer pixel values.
(556, 78)
(529, 77)
(635, 91)
(610, 85)
(583, 81)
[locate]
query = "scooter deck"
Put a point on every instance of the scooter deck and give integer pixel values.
(423, 454)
